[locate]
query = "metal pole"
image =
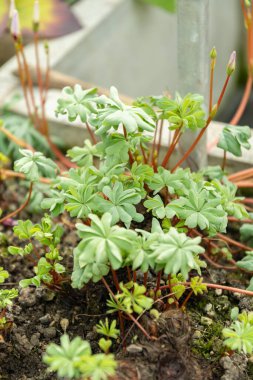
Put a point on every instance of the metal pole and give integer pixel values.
(193, 58)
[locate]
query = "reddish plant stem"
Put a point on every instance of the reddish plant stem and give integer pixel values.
(152, 156)
(175, 140)
(18, 141)
(134, 276)
(129, 274)
(160, 137)
(247, 200)
(30, 85)
(115, 280)
(192, 147)
(60, 155)
(216, 286)
(92, 135)
(145, 278)
(44, 124)
(131, 159)
(186, 299)
(243, 184)
(234, 242)
(158, 282)
(129, 315)
(145, 160)
(242, 174)
(23, 85)
(216, 265)
(22, 207)
(233, 219)
(4, 173)
(237, 116)
(211, 85)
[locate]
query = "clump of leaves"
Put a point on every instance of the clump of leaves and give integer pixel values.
(110, 331)
(131, 299)
(239, 336)
(233, 138)
(48, 269)
(74, 360)
(6, 299)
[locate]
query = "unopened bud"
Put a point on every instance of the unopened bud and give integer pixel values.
(214, 111)
(11, 9)
(15, 25)
(36, 15)
(231, 64)
(213, 53)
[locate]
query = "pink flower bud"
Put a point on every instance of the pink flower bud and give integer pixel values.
(231, 64)
(12, 8)
(15, 25)
(36, 12)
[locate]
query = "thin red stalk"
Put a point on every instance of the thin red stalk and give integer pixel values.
(30, 85)
(233, 219)
(44, 126)
(211, 85)
(22, 207)
(175, 140)
(115, 279)
(153, 145)
(234, 242)
(92, 135)
(129, 274)
(247, 200)
(134, 276)
(143, 154)
(129, 315)
(131, 159)
(242, 174)
(160, 137)
(60, 155)
(4, 173)
(216, 286)
(158, 281)
(240, 110)
(192, 147)
(216, 265)
(23, 85)
(18, 141)
(186, 299)
(244, 184)
(145, 278)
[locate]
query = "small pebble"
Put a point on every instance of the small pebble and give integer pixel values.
(64, 324)
(134, 349)
(46, 319)
(49, 332)
(218, 292)
(206, 321)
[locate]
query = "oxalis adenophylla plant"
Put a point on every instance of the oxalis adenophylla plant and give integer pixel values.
(116, 188)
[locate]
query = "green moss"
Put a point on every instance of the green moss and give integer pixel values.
(209, 345)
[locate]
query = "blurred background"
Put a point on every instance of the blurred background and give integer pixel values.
(133, 44)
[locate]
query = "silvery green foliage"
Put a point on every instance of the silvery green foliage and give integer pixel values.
(239, 335)
(119, 203)
(184, 112)
(35, 165)
(175, 252)
(103, 245)
(77, 102)
(114, 112)
(64, 359)
(233, 138)
(74, 360)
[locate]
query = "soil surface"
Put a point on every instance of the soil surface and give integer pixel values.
(188, 346)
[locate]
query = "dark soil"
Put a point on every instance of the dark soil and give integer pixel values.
(188, 346)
